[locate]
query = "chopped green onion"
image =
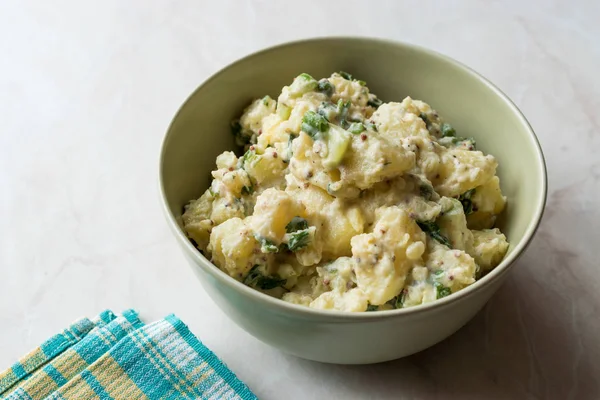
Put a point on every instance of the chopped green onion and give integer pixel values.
(447, 130)
(441, 290)
(374, 101)
(343, 108)
(356, 128)
(303, 83)
(314, 124)
(328, 110)
(325, 87)
(345, 75)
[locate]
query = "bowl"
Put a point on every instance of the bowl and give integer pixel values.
(475, 107)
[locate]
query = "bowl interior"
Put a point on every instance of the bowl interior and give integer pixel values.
(201, 129)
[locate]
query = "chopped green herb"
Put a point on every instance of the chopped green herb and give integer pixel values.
(289, 148)
(248, 157)
(325, 87)
(328, 110)
(439, 272)
(298, 240)
(371, 307)
(441, 290)
(425, 119)
(356, 128)
(343, 108)
(426, 191)
(296, 224)
(303, 83)
(345, 75)
(314, 124)
(257, 280)
(361, 83)
(266, 246)
(433, 230)
(248, 189)
(447, 130)
(398, 301)
(370, 125)
(374, 101)
(465, 200)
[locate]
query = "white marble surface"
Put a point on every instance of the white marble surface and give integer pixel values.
(87, 89)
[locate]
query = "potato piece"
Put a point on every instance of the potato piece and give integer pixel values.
(400, 120)
(453, 224)
(337, 222)
(385, 256)
(196, 219)
(489, 248)
(349, 90)
(273, 211)
(253, 115)
(372, 159)
(488, 202)
(462, 170)
(234, 248)
(406, 192)
(353, 300)
(451, 268)
(266, 169)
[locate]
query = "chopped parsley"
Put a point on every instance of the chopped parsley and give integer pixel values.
(467, 203)
(257, 280)
(371, 307)
(298, 240)
(433, 230)
(296, 224)
(266, 246)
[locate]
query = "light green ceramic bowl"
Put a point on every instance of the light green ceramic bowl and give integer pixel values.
(200, 131)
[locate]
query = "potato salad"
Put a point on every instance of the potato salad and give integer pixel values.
(340, 201)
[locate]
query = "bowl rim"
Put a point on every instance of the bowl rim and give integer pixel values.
(346, 316)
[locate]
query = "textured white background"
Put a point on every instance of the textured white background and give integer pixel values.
(87, 89)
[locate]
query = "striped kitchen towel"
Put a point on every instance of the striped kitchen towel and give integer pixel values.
(118, 357)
